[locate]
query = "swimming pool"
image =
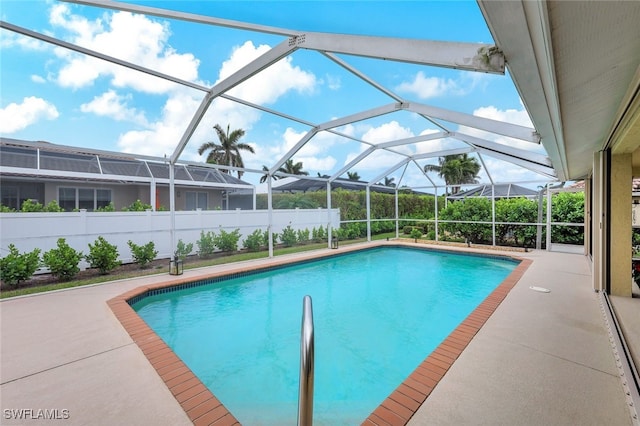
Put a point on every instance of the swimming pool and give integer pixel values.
(377, 313)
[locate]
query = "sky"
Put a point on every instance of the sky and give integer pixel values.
(48, 93)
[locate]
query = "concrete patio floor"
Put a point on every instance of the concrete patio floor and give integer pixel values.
(542, 358)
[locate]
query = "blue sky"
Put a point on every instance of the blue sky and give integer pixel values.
(51, 94)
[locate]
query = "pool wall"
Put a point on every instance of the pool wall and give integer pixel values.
(203, 408)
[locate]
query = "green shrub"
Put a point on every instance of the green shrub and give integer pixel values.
(31, 206)
(288, 237)
(254, 241)
(206, 244)
(16, 267)
(415, 234)
(407, 229)
(6, 209)
(53, 207)
(227, 241)
(63, 261)
(431, 235)
(183, 250)
(319, 235)
(137, 206)
(103, 256)
(143, 255)
(476, 209)
(303, 236)
(108, 208)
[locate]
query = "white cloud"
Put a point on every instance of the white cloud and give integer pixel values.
(10, 39)
(271, 83)
(110, 104)
(381, 160)
(162, 137)
(15, 117)
(113, 36)
(38, 79)
(333, 82)
(428, 87)
(513, 116)
(314, 155)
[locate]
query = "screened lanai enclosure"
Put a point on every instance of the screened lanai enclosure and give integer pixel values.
(385, 154)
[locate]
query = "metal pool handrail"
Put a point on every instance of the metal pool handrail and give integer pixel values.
(305, 392)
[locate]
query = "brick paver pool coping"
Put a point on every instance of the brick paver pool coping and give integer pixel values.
(203, 408)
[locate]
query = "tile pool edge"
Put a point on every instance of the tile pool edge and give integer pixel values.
(201, 405)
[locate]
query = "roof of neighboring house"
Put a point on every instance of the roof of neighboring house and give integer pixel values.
(506, 190)
(304, 185)
(26, 158)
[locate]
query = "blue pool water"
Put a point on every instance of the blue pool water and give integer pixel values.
(378, 313)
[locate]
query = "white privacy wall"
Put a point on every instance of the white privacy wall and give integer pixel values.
(42, 230)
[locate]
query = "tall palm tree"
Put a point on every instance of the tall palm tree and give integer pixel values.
(293, 169)
(353, 175)
(389, 182)
(456, 170)
(227, 152)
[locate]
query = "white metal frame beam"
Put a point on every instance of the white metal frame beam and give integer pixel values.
(463, 56)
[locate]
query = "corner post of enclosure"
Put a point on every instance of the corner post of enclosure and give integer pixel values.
(397, 215)
(329, 227)
(548, 217)
(270, 215)
(493, 213)
(368, 201)
(172, 206)
(436, 207)
(305, 391)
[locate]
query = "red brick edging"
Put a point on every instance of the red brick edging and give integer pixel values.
(203, 408)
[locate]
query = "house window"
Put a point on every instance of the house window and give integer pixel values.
(197, 200)
(83, 198)
(10, 196)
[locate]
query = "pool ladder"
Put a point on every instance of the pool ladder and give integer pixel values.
(305, 392)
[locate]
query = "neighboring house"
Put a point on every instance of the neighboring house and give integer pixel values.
(79, 178)
(310, 185)
(506, 190)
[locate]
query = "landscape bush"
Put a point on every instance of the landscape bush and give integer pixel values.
(143, 254)
(254, 241)
(318, 235)
(227, 241)
(288, 237)
(63, 261)
(206, 244)
(416, 233)
(103, 255)
(17, 267)
(183, 250)
(303, 236)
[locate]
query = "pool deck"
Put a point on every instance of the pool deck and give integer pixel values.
(540, 358)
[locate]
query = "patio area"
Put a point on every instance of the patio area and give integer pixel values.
(541, 358)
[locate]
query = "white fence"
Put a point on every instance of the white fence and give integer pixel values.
(28, 231)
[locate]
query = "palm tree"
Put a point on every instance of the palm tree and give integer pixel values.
(264, 177)
(292, 169)
(227, 152)
(353, 175)
(389, 182)
(456, 170)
